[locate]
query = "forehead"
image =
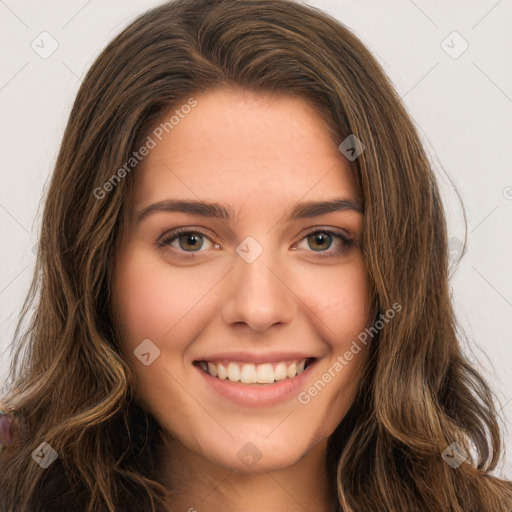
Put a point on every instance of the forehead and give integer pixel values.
(243, 147)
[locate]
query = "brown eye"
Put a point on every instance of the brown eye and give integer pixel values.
(191, 241)
(322, 242)
(188, 241)
(320, 238)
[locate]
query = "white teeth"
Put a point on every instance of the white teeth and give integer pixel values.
(280, 371)
(233, 372)
(248, 374)
(292, 370)
(265, 373)
(222, 373)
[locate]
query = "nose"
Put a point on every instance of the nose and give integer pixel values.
(260, 293)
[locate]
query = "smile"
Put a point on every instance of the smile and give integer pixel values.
(250, 373)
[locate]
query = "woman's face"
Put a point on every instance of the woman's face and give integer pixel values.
(253, 290)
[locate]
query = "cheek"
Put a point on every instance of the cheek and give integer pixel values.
(139, 300)
(343, 308)
(150, 298)
(149, 302)
(343, 303)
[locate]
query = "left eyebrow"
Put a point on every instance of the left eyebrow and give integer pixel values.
(216, 210)
(315, 208)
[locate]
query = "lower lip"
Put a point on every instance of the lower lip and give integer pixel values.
(258, 395)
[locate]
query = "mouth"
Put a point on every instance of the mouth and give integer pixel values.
(255, 374)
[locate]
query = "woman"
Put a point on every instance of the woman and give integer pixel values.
(192, 347)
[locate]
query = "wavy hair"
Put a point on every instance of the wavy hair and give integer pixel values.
(69, 385)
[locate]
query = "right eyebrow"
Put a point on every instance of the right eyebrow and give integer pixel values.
(202, 208)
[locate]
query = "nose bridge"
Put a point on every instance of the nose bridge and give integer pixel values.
(259, 295)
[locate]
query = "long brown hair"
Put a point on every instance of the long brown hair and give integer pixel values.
(69, 384)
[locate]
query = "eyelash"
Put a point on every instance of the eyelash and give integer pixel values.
(166, 239)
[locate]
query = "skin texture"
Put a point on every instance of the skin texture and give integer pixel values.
(259, 155)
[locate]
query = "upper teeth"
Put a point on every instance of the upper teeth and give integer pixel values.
(250, 373)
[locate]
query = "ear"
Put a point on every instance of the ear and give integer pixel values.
(7, 429)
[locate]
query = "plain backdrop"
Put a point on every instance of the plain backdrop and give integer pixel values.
(449, 61)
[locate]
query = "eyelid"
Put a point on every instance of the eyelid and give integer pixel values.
(347, 242)
(343, 233)
(169, 236)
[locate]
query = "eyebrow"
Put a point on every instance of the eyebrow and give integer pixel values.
(216, 210)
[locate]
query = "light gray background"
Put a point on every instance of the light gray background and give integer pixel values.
(462, 106)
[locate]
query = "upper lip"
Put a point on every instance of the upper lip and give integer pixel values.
(247, 357)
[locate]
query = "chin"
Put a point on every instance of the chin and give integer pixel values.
(257, 454)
